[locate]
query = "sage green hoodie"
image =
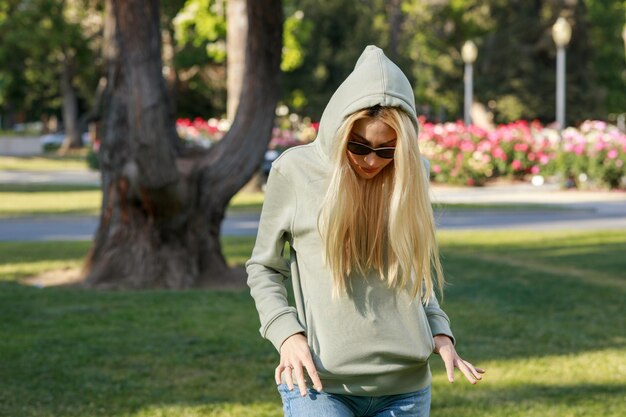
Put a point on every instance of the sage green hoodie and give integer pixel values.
(375, 340)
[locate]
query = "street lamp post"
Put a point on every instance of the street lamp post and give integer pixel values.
(468, 53)
(561, 33)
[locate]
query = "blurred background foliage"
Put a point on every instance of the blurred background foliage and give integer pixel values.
(41, 41)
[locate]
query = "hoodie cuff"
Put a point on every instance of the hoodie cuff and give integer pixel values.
(439, 325)
(283, 327)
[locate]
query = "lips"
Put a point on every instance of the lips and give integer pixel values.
(369, 170)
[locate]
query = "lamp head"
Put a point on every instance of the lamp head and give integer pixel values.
(561, 32)
(469, 52)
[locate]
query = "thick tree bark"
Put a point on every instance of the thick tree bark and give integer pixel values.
(163, 204)
(237, 21)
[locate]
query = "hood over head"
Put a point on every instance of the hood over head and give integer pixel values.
(374, 80)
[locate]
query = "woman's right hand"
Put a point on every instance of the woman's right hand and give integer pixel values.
(295, 354)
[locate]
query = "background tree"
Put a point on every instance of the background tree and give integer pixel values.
(606, 19)
(515, 70)
(47, 60)
(333, 34)
(200, 58)
(163, 204)
(237, 22)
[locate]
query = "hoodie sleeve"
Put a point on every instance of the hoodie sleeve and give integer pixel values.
(267, 268)
(437, 319)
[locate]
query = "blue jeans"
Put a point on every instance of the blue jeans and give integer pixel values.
(324, 404)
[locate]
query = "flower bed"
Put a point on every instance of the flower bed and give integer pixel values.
(592, 155)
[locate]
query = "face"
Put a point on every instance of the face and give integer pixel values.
(375, 134)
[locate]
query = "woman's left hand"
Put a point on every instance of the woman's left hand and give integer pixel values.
(451, 359)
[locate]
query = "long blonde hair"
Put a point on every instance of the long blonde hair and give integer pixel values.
(386, 221)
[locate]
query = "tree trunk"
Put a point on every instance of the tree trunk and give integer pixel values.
(395, 19)
(163, 204)
(237, 21)
(70, 108)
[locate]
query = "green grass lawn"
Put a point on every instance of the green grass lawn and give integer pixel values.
(543, 312)
(43, 163)
(18, 200)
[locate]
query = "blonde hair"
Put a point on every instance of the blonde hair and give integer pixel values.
(384, 221)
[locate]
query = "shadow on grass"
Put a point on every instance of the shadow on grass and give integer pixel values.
(75, 352)
(70, 349)
(72, 352)
(28, 252)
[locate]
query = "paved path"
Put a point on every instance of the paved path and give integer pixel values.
(74, 177)
(581, 210)
(83, 227)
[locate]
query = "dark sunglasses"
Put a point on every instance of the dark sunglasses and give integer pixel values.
(361, 149)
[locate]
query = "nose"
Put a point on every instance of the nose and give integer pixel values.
(371, 159)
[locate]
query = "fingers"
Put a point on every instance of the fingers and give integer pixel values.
(277, 372)
(295, 357)
(300, 378)
(315, 379)
(298, 370)
(449, 363)
(289, 378)
(475, 371)
(465, 369)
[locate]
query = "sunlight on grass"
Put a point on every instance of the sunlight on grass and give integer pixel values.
(25, 259)
(41, 200)
(50, 203)
(584, 384)
(42, 163)
(497, 238)
(214, 410)
(237, 249)
(247, 202)
(34, 200)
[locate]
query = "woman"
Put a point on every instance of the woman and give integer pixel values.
(354, 207)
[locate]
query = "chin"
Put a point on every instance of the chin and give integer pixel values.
(368, 175)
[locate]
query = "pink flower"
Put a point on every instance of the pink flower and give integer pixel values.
(520, 147)
(534, 170)
(467, 146)
(436, 169)
(516, 165)
(568, 147)
(612, 154)
(499, 154)
(599, 125)
(579, 149)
